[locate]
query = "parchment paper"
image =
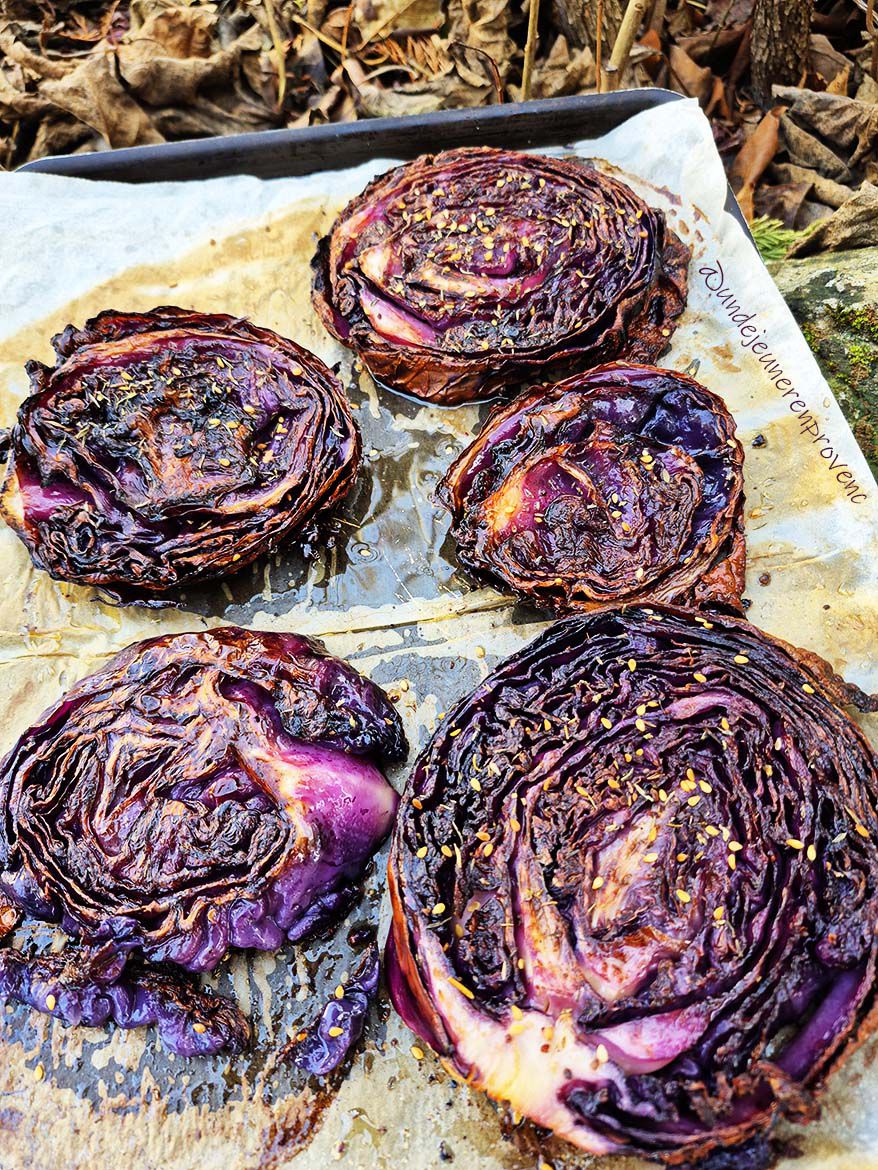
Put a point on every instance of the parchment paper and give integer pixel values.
(390, 598)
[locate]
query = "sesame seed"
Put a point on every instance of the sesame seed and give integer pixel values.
(416, 803)
(39, 1072)
(516, 1029)
(50, 1002)
(605, 722)
(811, 853)
(199, 1028)
(601, 1054)
(862, 830)
(741, 659)
(704, 786)
(339, 992)
(807, 688)
(735, 846)
(475, 785)
(517, 1013)
(597, 883)
(795, 843)
(632, 665)
(683, 896)
(335, 1031)
(439, 908)
(650, 858)
(461, 988)
(731, 861)
(417, 1053)
(445, 851)
(699, 677)
(640, 725)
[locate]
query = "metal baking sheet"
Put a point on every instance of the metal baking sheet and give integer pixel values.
(388, 595)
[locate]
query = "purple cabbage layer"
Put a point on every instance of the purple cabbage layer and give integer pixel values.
(659, 932)
(173, 446)
(458, 273)
(201, 792)
(619, 484)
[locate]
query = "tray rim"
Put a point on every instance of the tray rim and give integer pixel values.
(338, 145)
(244, 150)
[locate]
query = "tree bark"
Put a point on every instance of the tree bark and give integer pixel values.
(577, 20)
(779, 44)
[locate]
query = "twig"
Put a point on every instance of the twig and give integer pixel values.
(280, 52)
(634, 14)
(599, 47)
(872, 29)
(463, 48)
(530, 48)
(345, 32)
(329, 41)
(657, 16)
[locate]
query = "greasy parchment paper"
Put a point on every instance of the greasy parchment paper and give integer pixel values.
(390, 598)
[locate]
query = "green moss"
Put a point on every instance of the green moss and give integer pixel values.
(862, 320)
(862, 356)
(811, 336)
(844, 339)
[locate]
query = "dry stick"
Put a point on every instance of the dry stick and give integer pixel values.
(530, 48)
(872, 29)
(599, 47)
(280, 51)
(657, 16)
(634, 14)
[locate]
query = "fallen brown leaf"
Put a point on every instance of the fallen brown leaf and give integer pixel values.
(752, 159)
(854, 225)
(687, 77)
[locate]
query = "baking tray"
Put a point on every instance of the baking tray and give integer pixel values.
(85, 1100)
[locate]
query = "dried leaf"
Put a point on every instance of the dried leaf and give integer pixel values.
(688, 78)
(824, 59)
(825, 190)
(849, 126)
(93, 94)
(753, 157)
(805, 150)
(380, 18)
(782, 201)
(854, 225)
(562, 72)
(484, 24)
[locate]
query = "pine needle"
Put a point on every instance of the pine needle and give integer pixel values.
(773, 239)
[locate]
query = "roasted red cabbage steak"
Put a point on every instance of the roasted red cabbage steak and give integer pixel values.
(458, 273)
(635, 885)
(172, 446)
(200, 792)
(618, 484)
